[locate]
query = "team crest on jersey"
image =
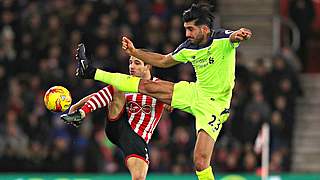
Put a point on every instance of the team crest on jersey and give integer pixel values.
(134, 108)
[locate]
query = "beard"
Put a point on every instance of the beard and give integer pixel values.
(198, 39)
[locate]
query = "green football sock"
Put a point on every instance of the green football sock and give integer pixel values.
(122, 82)
(205, 174)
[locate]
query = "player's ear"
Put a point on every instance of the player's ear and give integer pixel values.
(149, 66)
(205, 29)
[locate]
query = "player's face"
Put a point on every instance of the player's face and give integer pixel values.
(137, 67)
(194, 33)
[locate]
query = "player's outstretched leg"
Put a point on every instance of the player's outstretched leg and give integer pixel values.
(120, 81)
(100, 99)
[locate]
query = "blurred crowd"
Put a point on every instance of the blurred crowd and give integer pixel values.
(38, 40)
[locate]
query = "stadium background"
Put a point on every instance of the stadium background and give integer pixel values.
(37, 47)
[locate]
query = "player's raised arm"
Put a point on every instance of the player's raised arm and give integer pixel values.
(240, 35)
(155, 59)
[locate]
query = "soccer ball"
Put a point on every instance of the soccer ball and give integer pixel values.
(57, 99)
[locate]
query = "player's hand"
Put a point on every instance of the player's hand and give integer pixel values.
(128, 46)
(242, 34)
(246, 33)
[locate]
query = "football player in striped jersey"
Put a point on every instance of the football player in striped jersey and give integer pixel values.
(132, 118)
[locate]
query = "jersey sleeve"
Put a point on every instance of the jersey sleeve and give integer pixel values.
(99, 99)
(178, 54)
(224, 33)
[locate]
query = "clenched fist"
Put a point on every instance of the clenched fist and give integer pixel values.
(128, 46)
(242, 34)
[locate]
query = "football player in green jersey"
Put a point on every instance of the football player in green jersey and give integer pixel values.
(212, 54)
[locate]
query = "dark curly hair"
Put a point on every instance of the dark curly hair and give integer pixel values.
(201, 12)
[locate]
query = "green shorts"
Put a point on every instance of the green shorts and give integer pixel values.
(209, 113)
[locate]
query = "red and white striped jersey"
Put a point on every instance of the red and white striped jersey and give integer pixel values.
(144, 113)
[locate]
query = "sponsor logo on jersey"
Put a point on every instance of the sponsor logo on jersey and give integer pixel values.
(134, 108)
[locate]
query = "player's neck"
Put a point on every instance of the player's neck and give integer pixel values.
(146, 76)
(203, 42)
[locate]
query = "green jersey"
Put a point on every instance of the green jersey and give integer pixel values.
(214, 64)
